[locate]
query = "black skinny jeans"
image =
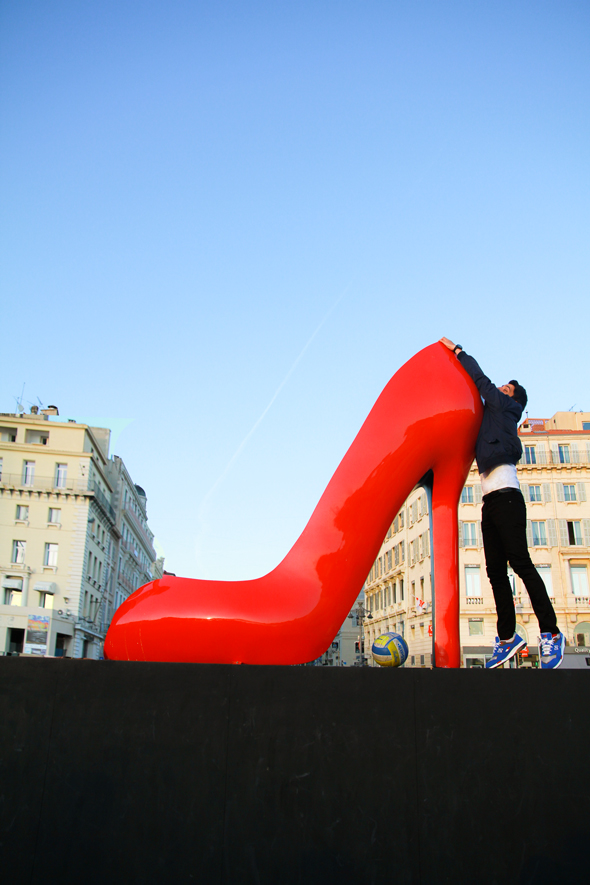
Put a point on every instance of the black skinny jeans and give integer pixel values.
(503, 525)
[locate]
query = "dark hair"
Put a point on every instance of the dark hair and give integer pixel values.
(519, 394)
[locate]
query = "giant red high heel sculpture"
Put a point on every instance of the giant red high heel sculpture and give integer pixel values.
(426, 420)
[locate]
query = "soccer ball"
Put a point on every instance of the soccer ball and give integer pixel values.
(390, 650)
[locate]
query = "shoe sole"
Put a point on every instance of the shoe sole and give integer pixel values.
(514, 651)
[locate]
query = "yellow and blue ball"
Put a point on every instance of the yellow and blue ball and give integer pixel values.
(390, 650)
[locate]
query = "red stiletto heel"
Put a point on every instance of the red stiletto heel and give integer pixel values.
(426, 419)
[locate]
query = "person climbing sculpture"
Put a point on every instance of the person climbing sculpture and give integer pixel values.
(503, 518)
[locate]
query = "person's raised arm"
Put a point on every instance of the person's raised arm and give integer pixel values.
(487, 389)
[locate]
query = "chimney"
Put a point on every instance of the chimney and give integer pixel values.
(34, 410)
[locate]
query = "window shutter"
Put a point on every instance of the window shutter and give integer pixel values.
(588, 451)
(560, 496)
(581, 491)
(525, 493)
(555, 453)
(541, 454)
(546, 492)
(575, 453)
(586, 530)
(479, 536)
(563, 535)
(460, 533)
(529, 533)
(551, 533)
(477, 488)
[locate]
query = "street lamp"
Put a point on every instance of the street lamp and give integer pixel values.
(362, 614)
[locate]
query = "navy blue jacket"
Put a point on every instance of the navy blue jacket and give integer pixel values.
(497, 440)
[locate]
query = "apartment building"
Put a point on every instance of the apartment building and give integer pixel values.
(347, 647)
(554, 475)
(68, 531)
(135, 556)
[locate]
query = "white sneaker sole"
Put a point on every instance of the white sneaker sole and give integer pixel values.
(514, 651)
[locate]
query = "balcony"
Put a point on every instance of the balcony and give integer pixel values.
(143, 533)
(474, 600)
(102, 501)
(554, 458)
(42, 483)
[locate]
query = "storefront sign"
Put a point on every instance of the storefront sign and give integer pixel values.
(37, 635)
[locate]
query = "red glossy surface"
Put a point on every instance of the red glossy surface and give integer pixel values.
(426, 418)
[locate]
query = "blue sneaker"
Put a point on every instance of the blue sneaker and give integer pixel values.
(504, 650)
(551, 650)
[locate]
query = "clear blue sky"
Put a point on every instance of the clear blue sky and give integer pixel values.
(190, 189)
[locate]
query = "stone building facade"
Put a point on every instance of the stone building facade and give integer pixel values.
(71, 520)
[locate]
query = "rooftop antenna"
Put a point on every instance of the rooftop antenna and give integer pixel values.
(571, 408)
(19, 400)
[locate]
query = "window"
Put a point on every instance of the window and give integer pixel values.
(585, 425)
(467, 496)
(545, 572)
(28, 473)
(12, 596)
(539, 534)
(579, 576)
(564, 454)
(36, 437)
(50, 557)
(45, 600)
(512, 580)
(8, 434)
(54, 516)
(0, 468)
(394, 592)
(574, 532)
(22, 513)
(535, 493)
(18, 551)
(569, 492)
(61, 472)
(530, 456)
(582, 634)
(469, 534)
(472, 581)
(401, 591)
(475, 626)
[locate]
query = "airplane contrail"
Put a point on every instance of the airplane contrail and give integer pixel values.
(248, 436)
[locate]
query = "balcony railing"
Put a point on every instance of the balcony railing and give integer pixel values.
(474, 600)
(43, 483)
(552, 457)
(102, 500)
(146, 536)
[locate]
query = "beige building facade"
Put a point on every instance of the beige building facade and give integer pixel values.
(71, 522)
(554, 476)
